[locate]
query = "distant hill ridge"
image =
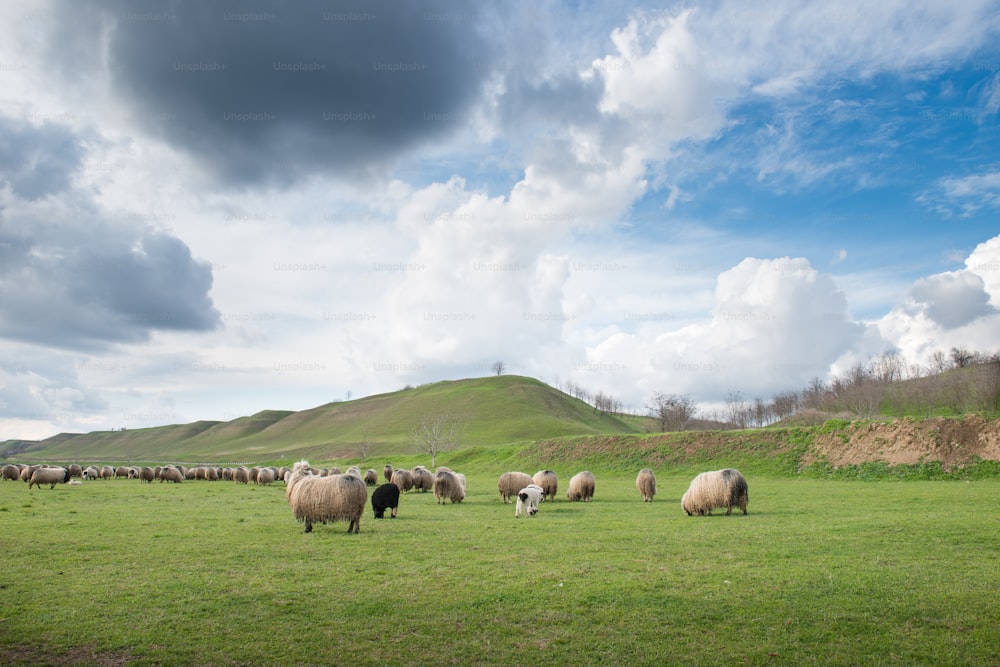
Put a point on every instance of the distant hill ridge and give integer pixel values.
(492, 411)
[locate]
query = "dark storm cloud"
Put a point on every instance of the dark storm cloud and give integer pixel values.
(273, 91)
(72, 276)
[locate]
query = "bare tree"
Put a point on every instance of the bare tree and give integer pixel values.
(961, 357)
(671, 411)
(365, 447)
(737, 412)
(607, 403)
(499, 367)
(436, 434)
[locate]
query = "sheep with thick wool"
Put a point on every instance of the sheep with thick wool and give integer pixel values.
(316, 499)
(581, 486)
(548, 481)
(645, 481)
(11, 471)
(716, 488)
(423, 479)
(403, 479)
(528, 499)
(448, 487)
(171, 474)
(371, 477)
(50, 476)
(511, 482)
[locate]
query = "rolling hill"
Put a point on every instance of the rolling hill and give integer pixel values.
(492, 411)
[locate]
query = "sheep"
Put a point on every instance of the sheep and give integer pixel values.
(548, 481)
(385, 497)
(403, 479)
(423, 479)
(107, 472)
(646, 483)
(11, 471)
(92, 472)
(241, 475)
(448, 487)
(387, 472)
(371, 477)
(50, 476)
(717, 488)
(26, 472)
(146, 474)
(171, 474)
(321, 499)
(528, 499)
(512, 482)
(75, 470)
(581, 486)
(265, 476)
(355, 471)
(123, 471)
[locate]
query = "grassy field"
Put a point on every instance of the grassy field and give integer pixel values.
(820, 572)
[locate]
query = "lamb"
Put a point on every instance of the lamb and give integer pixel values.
(403, 479)
(717, 488)
(50, 476)
(321, 499)
(385, 497)
(528, 499)
(548, 481)
(581, 486)
(448, 487)
(512, 482)
(646, 483)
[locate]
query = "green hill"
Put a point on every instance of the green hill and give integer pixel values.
(492, 411)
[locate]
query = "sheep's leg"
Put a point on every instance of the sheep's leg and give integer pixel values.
(309, 527)
(393, 516)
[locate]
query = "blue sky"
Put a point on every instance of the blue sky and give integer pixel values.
(210, 210)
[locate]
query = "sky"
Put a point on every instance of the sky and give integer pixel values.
(211, 208)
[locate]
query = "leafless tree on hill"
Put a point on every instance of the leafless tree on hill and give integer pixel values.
(671, 411)
(436, 434)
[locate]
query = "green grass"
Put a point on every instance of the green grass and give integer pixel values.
(821, 572)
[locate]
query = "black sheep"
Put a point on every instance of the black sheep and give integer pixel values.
(384, 497)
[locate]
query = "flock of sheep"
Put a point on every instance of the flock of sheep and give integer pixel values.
(324, 495)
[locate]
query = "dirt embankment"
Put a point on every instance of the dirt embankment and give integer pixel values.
(952, 441)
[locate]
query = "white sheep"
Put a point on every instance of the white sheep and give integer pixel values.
(528, 499)
(50, 476)
(448, 487)
(548, 481)
(511, 482)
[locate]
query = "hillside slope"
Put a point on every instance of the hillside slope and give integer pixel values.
(492, 411)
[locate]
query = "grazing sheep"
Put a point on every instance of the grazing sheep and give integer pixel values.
(75, 470)
(548, 481)
(371, 477)
(512, 482)
(387, 472)
(123, 471)
(448, 487)
(717, 488)
(581, 486)
(528, 499)
(646, 483)
(403, 479)
(461, 479)
(147, 474)
(423, 479)
(385, 497)
(321, 499)
(26, 472)
(107, 472)
(265, 476)
(50, 476)
(92, 472)
(11, 471)
(171, 474)
(241, 475)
